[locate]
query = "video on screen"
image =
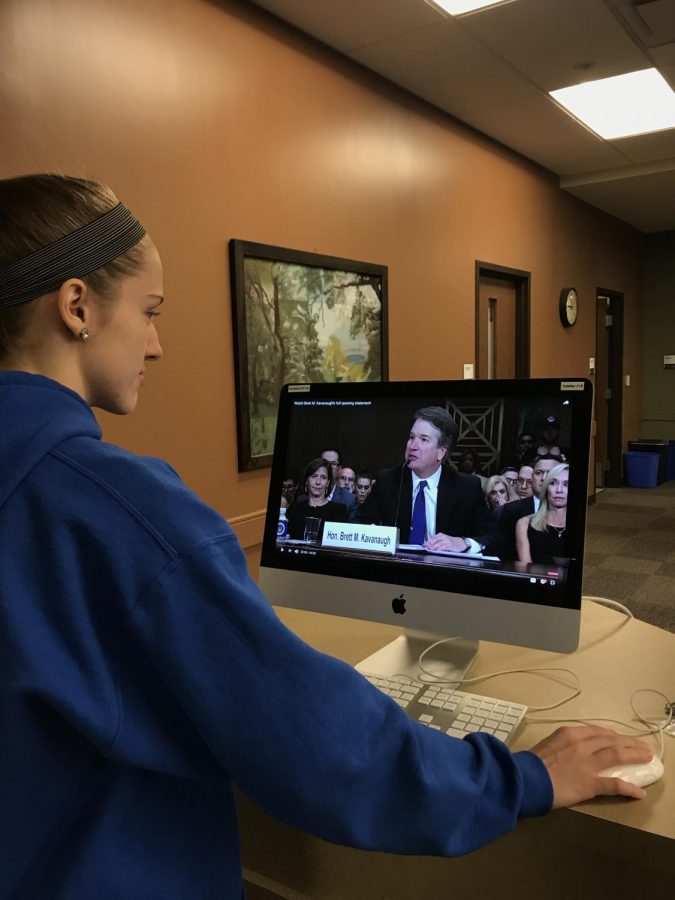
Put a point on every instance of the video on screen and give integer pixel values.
(468, 481)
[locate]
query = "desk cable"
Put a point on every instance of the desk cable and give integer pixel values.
(428, 677)
(666, 726)
(653, 728)
(613, 604)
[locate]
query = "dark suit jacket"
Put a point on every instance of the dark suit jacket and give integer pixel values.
(342, 495)
(511, 512)
(461, 510)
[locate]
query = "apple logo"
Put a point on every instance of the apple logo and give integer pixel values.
(398, 605)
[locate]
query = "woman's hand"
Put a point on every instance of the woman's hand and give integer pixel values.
(575, 755)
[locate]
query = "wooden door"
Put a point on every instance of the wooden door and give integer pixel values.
(497, 325)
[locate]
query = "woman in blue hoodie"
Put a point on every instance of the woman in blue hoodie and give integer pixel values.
(142, 673)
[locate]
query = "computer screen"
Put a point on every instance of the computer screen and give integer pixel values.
(500, 552)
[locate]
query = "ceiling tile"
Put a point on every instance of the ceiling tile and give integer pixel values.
(493, 68)
(648, 147)
(346, 24)
(644, 202)
(546, 39)
(659, 17)
(445, 66)
(664, 57)
(539, 129)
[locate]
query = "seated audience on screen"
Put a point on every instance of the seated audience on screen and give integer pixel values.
(364, 484)
(289, 487)
(511, 475)
(518, 508)
(346, 478)
(541, 466)
(317, 484)
(526, 449)
(470, 464)
(550, 438)
(450, 513)
(540, 538)
(338, 493)
(524, 482)
(498, 492)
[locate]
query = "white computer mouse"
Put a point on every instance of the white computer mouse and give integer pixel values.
(641, 774)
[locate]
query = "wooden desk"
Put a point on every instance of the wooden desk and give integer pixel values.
(610, 848)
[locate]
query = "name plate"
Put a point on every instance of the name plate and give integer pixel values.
(377, 538)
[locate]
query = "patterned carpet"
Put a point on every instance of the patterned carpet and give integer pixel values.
(630, 551)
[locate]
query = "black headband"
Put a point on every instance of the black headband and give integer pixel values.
(71, 256)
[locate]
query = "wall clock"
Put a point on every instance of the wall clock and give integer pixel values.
(569, 306)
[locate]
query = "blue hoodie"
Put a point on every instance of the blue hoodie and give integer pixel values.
(142, 674)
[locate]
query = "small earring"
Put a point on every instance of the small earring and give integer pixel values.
(84, 334)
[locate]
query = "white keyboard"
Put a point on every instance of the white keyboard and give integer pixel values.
(457, 713)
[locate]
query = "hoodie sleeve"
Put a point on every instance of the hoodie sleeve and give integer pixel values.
(305, 735)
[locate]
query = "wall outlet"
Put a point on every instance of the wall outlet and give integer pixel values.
(468, 370)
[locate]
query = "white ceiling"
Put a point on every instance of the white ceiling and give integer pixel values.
(493, 70)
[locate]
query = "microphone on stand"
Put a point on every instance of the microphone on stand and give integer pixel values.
(400, 488)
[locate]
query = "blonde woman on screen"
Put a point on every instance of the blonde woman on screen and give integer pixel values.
(541, 538)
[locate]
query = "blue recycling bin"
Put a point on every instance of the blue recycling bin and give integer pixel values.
(648, 445)
(641, 469)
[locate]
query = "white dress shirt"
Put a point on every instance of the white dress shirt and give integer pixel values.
(430, 504)
(430, 498)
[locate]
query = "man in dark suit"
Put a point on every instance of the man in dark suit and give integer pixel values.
(455, 516)
(516, 509)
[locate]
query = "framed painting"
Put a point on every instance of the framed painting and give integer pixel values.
(299, 317)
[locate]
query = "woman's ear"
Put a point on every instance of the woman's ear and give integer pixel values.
(74, 305)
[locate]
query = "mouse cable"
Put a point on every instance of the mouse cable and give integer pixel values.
(653, 728)
(663, 727)
(544, 671)
(668, 725)
(429, 677)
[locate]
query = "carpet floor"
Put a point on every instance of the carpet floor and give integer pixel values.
(630, 551)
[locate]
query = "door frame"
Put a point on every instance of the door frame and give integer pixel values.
(520, 279)
(614, 478)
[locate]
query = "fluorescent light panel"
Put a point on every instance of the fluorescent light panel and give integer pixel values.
(457, 7)
(625, 105)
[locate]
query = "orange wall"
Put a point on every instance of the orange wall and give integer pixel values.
(212, 121)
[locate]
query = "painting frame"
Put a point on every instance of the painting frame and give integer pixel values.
(251, 304)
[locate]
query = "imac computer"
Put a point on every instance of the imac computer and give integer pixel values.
(486, 575)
